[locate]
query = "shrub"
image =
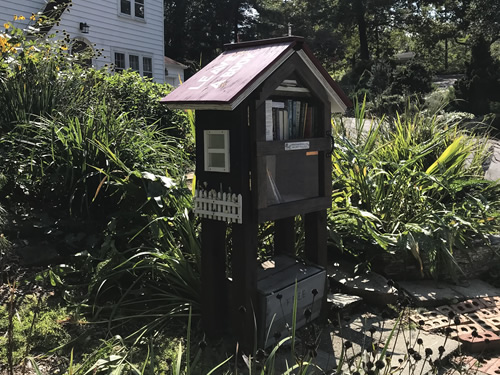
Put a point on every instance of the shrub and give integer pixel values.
(413, 78)
(31, 77)
(387, 86)
(413, 185)
(102, 149)
(58, 119)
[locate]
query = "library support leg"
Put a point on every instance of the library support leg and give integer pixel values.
(284, 236)
(214, 293)
(316, 237)
(244, 272)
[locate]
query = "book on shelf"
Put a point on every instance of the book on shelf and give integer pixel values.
(290, 119)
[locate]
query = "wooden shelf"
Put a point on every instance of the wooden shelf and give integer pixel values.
(294, 208)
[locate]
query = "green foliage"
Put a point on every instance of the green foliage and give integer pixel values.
(30, 79)
(409, 186)
(410, 78)
(481, 84)
(388, 86)
(3, 219)
(197, 30)
(63, 124)
(104, 151)
(37, 324)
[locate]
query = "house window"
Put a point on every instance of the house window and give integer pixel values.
(125, 6)
(134, 61)
(119, 62)
(147, 67)
(133, 8)
(139, 8)
(216, 150)
(83, 52)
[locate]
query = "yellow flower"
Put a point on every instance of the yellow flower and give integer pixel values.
(64, 48)
(22, 18)
(33, 17)
(15, 17)
(3, 44)
(6, 25)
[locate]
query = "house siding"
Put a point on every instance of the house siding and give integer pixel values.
(20, 8)
(109, 30)
(174, 72)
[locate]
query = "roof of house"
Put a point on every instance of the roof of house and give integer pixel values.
(172, 62)
(228, 80)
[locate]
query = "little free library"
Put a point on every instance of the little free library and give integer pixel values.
(264, 142)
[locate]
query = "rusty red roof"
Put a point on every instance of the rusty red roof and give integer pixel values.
(226, 81)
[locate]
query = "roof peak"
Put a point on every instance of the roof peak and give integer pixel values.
(251, 43)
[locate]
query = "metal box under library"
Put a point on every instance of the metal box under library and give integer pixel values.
(278, 282)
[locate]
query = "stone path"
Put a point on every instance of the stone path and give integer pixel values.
(492, 172)
(445, 329)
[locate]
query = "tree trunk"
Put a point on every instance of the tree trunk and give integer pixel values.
(446, 54)
(359, 9)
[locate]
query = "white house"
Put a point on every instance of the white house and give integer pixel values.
(130, 32)
(174, 72)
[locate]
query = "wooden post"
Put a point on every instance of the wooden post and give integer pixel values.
(213, 277)
(243, 301)
(316, 236)
(284, 236)
(315, 246)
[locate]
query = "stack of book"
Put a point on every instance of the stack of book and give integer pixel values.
(289, 119)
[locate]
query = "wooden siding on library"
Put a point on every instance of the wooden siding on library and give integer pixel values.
(325, 183)
(238, 148)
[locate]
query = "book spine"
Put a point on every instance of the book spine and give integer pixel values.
(286, 125)
(281, 119)
(269, 120)
(303, 111)
(290, 118)
(296, 120)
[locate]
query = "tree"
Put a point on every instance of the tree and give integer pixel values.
(475, 22)
(198, 29)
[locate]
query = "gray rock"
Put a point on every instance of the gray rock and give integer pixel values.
(430, 293)
(371, 286)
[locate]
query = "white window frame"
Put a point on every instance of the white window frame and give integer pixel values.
(132, 10)
(144, 71)
(138, 61)
(210, 151)
(141, 57)
(121, 68)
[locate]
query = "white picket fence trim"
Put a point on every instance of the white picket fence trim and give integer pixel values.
(218, 206)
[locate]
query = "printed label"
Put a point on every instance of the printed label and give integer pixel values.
(291, 146)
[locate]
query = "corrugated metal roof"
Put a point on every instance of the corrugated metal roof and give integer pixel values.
(236, 73)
